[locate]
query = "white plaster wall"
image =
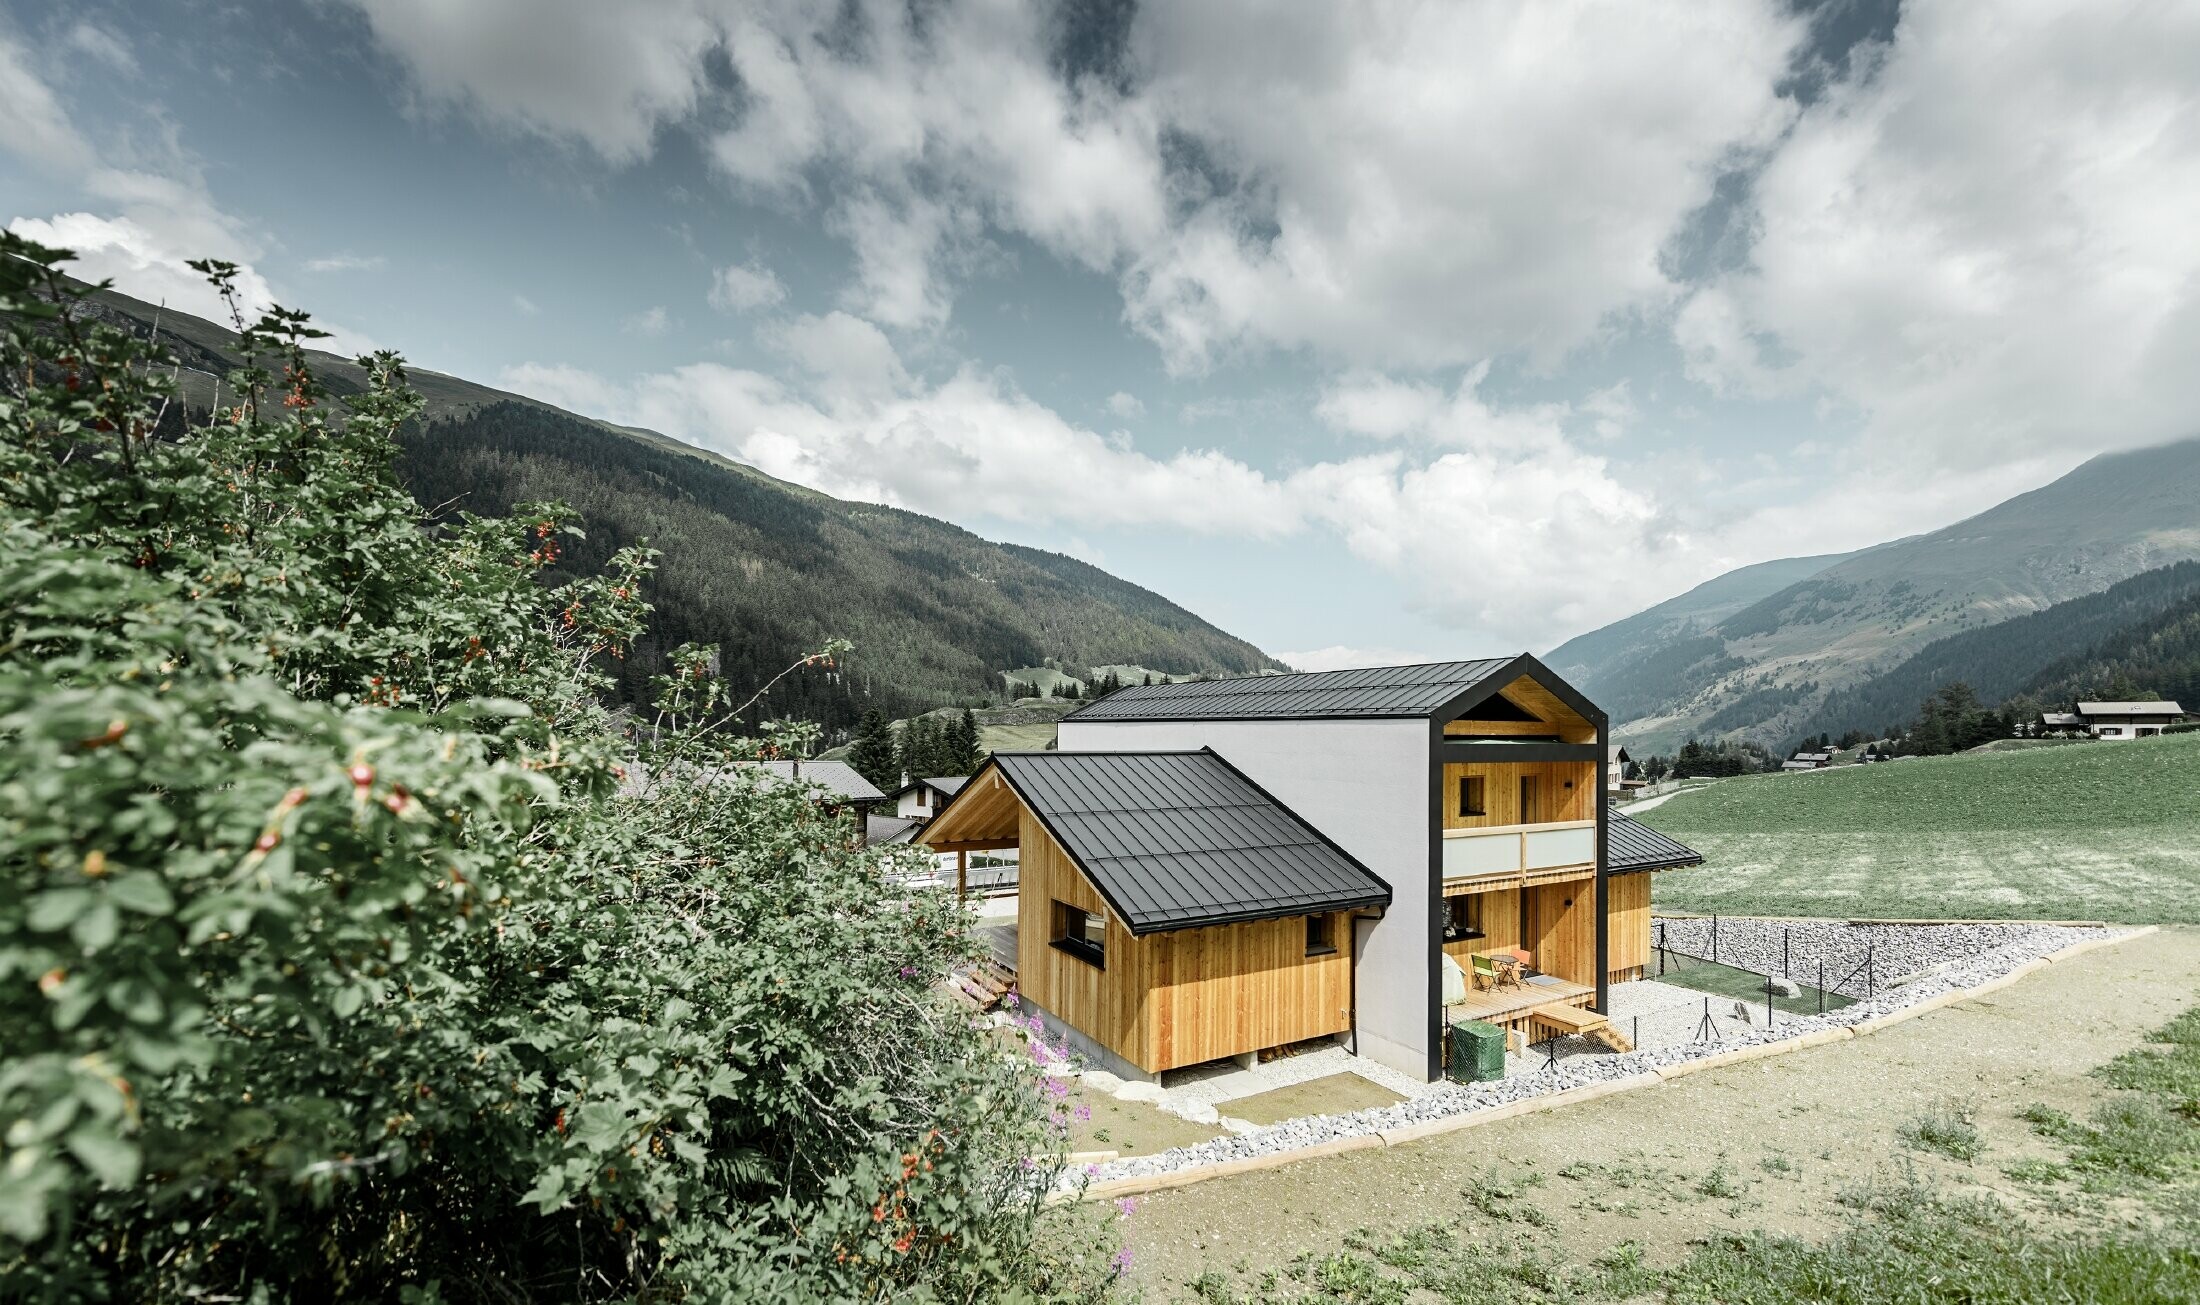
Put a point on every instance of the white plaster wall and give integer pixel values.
(1364, 784)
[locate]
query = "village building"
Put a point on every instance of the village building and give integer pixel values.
(1213, 869)
(2128, 720)
(921, 799)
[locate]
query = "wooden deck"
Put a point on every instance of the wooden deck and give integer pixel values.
(1513, 1009)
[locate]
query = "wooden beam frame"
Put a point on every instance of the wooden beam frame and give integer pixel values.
(1451, 749)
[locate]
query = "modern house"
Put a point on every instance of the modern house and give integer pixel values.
(921, 799)
(1212, 869)
(2117, 720)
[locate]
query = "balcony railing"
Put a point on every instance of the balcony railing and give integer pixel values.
(1507, 850)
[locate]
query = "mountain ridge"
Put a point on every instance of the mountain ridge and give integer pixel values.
(1761, 671)
(765, 569)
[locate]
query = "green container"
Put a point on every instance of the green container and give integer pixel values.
(1477, 1052)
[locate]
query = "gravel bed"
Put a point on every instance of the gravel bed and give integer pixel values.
(2017, 945)
(1895, 951)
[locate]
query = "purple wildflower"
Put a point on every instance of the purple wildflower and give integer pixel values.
(1084, 1112)
(908, 971)
(1122, 1260)
(1125, 1204)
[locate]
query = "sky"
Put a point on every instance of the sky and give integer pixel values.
(1384, 332)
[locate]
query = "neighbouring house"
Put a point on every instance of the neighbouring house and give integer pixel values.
(921, 799)
(1808, 761)
(1615, 768)
(2117, 720)
(881, 830)
(1212, 869)
(837, 787)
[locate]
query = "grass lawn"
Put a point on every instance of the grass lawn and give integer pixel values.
(2089, 831)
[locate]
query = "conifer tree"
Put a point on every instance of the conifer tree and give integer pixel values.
(872, 755)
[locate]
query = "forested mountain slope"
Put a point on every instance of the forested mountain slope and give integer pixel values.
(2075, 646)
(1764, 670)
(765, 569)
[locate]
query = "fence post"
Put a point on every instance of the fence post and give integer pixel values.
(1821, 986)
(1714, 935)
(1871, 976)
(1784, 932)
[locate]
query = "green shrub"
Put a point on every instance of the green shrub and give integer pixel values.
(335, 958)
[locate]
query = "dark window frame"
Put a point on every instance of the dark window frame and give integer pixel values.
(1473, 796)
(1074, 941)
(1320, 935)
(1462, 930)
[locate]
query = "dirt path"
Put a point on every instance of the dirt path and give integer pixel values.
(1765, 1144)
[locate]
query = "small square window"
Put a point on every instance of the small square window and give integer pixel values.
(1081, 933)
(1470, 797)
(1320, 936)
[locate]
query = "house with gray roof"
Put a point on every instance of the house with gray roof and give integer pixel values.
(1212, 869)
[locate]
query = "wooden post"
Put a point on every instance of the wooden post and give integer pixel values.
(962, 875)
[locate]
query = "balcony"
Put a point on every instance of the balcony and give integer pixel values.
(1523, 853)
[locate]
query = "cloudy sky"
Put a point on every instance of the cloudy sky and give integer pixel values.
(1376, 331)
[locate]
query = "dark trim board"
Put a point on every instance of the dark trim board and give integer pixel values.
(1604, 872)
(1454, 749)
(1436, 904)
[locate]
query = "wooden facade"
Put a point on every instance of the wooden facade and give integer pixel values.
(1521, 793)
(1627, 900)
(1553, 718)
(1165, 1000)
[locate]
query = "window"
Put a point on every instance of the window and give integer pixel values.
(1318, 936)
(1531, 801)
(1465, 918)
(1470, 797)
(1081, 933)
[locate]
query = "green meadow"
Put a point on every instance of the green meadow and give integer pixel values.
(2105, 831)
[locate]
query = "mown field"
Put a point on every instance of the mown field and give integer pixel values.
(2092, 831)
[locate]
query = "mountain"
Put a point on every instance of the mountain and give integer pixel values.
(2156, 657)
(764, 569)
(1629, 660)
(2133, 628)
(1760, 672)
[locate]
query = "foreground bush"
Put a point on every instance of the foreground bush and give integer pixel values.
(337, 962)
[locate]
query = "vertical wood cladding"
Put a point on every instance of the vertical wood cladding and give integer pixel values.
(1501, 791)
(1178, 998)
(1628, 897)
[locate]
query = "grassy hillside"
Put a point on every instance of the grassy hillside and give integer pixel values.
(2091, 831)
(1626, 654)
(764, 569)
(1760, 672)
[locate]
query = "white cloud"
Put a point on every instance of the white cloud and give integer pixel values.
(525, 306)
(1126, 405)
(1502, 522)
(1399, 184)
(90, 39)
(347, 263)
(652, 321)
(606, 74)
(1984, 240)
(1339, 657)
(33, 124)
(745, 287)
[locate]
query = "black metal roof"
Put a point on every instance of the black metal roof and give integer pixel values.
(1182, 840)
(1373, 691)
(1630, 845)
